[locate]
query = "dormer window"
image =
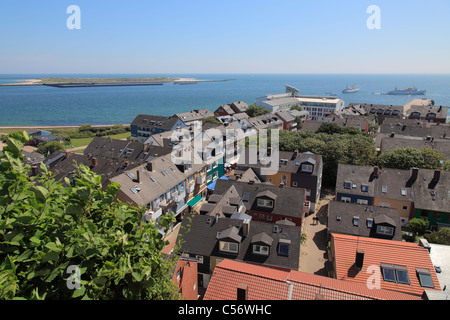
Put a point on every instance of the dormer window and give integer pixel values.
(228, 247)
(265, 203)
(384, 230)
(263, 250)
(307, 167)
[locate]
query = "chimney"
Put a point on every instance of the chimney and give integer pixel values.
(376, 170)
(437, 175)
(94, 161)
(295, 154)
(245, 227)
(242, 292)
(138, 176)
(359, 262)
(35, 170)
(67, 153)
(150, 166)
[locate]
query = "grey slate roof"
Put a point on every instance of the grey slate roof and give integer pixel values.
(200, 238)
(289, 201)
(346, 212)
(432, 190)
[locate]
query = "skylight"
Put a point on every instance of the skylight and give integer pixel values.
(403, 191)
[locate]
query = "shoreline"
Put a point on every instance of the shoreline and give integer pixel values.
(88, 82)
(60, 127)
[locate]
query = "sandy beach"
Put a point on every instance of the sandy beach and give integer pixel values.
(25, 82)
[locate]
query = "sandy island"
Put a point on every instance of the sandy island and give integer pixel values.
(25, 82)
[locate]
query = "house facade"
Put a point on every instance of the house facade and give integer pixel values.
(143, 126)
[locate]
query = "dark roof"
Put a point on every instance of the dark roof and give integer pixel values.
(396, 182)
(152, 121)
(415, 128)
(439, 145)
(239, 106)
(199, 237)
(124, 150)
(347, 211)
(431, 190)
(288, 202)
(63, 165)
(287, 161)
(195, 115)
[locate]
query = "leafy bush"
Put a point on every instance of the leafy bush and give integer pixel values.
(46, 228)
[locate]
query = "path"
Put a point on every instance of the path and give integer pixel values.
(313, 253)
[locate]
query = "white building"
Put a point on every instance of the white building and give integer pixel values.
(317, 106)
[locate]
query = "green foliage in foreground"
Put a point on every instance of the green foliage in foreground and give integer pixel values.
(45, 229)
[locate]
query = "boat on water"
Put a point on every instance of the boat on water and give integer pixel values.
(407, 92)
(351, 89)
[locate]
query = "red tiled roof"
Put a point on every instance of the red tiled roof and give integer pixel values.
(268, 284)
(377, 251)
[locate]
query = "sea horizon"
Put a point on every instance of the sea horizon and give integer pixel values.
(45, 106)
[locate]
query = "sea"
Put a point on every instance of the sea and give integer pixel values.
(51, 106)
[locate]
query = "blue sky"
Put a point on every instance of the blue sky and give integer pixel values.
(245, 36)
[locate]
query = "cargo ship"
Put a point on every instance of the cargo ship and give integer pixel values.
(407, 92)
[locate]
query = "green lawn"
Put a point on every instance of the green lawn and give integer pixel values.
(80, 142)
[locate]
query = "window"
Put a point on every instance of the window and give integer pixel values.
(384, 189)
(394, 273)
(362, 201)
(347, 185)
(265, 203)
(199, 259)
(264, 250)
(228, 247)
(389, 231)
(405, 207)
(283, 247)
(403, 191)
(364, 188)
(307, 167)
(369, 223)
(307, 192)
(269, 218)
(356, 221)
(261, 216)
(425, 278)
(346, 199)
(338, 218)
(245, 196)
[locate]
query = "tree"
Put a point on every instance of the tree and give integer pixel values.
(407, 158)
(296, 107)
(418, 226)
(47, 230)
(211, 120)
(49, 147)
(442, 236)
(401, 158)
(253, 111)
(431, 158)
